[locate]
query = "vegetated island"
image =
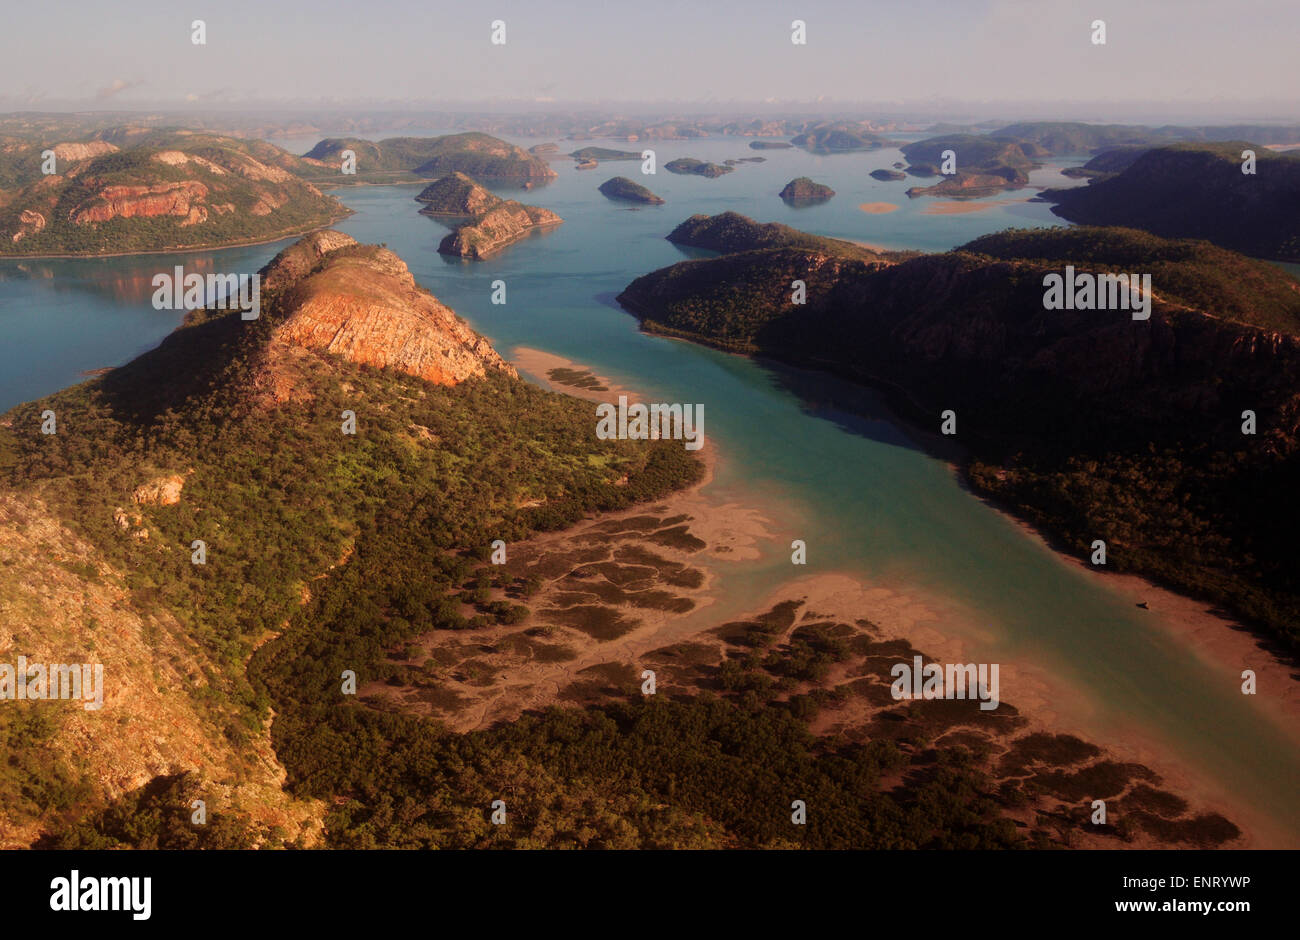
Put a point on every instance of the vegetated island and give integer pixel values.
(984, 165)
(160, 192)
(620, 187)
(731, 232)
(1153, 449)
(604, 153)
(1195, 191)
(456, 195)
(888, 176)
(770, 145)
(398, 159)
(841, 137)
(804, 192)
(1106, 163)
(231, 431)
(490, 223)
(689, 166)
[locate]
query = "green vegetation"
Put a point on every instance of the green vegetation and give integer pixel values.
(346, 549)
(974, 153)
(689, 166)
(158, 816)
(984, 165)
(151, 198)
(1065, 137)
(838, 138)
(478, 155)
(732, 232)
(1088, 423)
(620, 187)
(1198, 191)
(604, 153)
(456, 194)
(803, 191)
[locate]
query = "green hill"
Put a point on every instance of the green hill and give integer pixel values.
(620, 187)
(838, 138)
(1088, 423)
(175, 191)
(1199, 191)
(481, 156)
(732, 232)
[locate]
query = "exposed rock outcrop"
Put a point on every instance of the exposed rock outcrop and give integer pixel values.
(500, 226)
(361, 302)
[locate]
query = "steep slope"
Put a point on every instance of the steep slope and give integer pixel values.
(456, 194)
(803, 191)
(191, 441)
(203, 191)
(365, 306)
(1199, 191)
(1088, 422)
(838, 138)
(497, 228)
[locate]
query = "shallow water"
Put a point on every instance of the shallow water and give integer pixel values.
(856, 489)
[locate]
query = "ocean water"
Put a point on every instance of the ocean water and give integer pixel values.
(826, 456)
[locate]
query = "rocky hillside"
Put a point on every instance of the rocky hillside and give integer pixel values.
(174, 191)
(229, 432)
(362, 303)
(1199, 191)
(458, 195)
(1088, 422)
(497, 228)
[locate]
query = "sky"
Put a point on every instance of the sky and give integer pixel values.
(1193, 57)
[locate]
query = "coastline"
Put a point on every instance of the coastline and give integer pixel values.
(1216, 637)
(1220, 641)
(927, 620)
(297, 233)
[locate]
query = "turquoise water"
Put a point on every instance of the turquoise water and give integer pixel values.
(864, 497)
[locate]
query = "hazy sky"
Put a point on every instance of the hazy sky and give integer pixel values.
(1237, 57)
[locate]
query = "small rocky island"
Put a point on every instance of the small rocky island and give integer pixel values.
(620, 187)
(888, 176)
(491, 223)
(457, 195)
(804, 192)
(691, 167)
